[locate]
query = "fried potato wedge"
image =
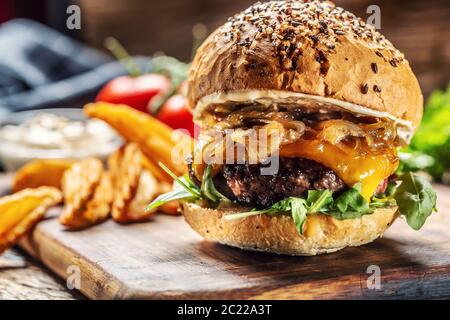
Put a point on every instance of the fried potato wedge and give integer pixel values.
(114, 161)
(134, 187)
(146, 191)
(88, 194)
(172, 208)
(40, 173)
(153, 137)
(154, 168)
(21, 211)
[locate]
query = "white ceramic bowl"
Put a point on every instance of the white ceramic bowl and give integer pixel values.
(13, 155)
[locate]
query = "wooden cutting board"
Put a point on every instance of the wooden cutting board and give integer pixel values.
(165, 259)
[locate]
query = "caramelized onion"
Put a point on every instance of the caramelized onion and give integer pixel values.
(334, 131)
(262, 132)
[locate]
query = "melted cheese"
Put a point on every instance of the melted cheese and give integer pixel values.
(351, 167)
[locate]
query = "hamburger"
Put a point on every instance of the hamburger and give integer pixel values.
(302, 108)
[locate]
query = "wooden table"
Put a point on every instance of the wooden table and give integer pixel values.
(138, 260)
(23, 278)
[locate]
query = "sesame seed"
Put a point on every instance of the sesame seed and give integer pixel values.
(292, 21)
(374, 67)
(376, 88)
(365, 88)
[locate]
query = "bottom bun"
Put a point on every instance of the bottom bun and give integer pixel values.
(278, 234)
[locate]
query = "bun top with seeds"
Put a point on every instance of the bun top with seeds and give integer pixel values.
(295, 51)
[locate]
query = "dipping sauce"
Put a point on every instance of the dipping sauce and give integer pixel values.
(50, 136)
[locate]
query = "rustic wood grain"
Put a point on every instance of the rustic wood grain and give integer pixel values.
(164, 259)
(21, 278)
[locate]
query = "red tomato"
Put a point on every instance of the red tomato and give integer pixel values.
(176, 114)
(134, 91)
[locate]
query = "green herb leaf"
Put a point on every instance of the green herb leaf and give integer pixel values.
(299, 210)
(208, 189)
(297, 206)
(319, 200)
(415, 198)
(183, 182)
(390, 189)
(353, 199)
(350, 205)
(180, 194)
(433, 135)
(184, 189)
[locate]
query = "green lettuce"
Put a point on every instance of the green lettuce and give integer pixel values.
(432, 138)
(415, 199)
(349, 205)
(185, 189)
(413, 195)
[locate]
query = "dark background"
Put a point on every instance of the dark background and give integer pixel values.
(419, 28)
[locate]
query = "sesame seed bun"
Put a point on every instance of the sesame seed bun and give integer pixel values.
(314, 51)
(278, 234)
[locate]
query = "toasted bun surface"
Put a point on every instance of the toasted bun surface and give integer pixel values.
(311, 48)
(278, 234)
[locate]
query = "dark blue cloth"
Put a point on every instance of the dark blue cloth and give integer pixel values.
(42, 68)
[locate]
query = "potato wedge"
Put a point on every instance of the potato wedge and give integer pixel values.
(134, 187)
(146, 191)
(153, 137)
(156, 170)
(88, 194)
(21, 211)
(40, 173)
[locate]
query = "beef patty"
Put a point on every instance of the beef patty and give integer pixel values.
(244, 183)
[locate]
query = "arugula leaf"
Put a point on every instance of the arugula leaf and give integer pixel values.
(415, 198)
(350, 205)
(299, 210)
(353, 199)
(390, 189)
(278, 207)
(183, 182)
(184, 189)
(319, 200)
(208, 189)
(178, 194)
(297, 206)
